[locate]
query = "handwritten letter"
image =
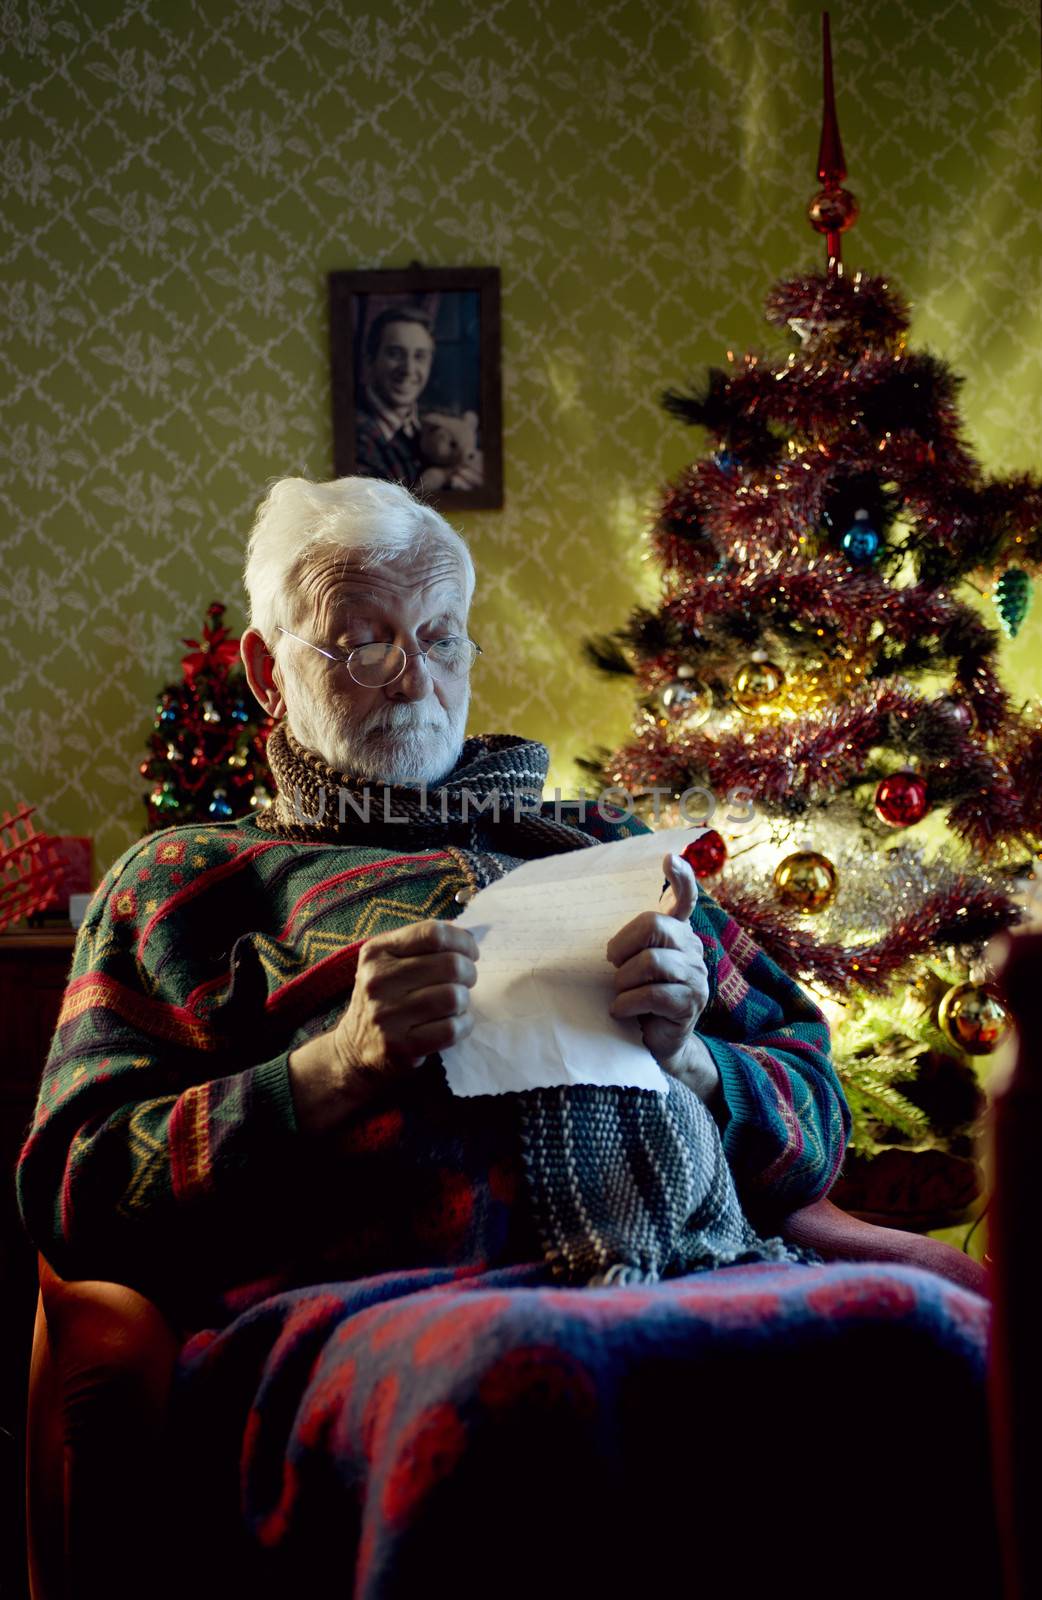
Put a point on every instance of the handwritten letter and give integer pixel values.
(540, 1004)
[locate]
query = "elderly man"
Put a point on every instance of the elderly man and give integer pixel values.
(391, 1368)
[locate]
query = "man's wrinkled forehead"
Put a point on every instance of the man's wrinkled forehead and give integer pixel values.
(335, 585)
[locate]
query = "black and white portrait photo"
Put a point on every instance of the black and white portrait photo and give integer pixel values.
(415, 360)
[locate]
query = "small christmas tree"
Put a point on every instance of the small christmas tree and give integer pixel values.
(810, 652)
(207, 762)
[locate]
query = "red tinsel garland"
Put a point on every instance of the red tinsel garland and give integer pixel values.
(815, 757)
(971, 524)
(851, 603)
(877, 312)
(966, 913)
(877, 394)
(1024, 764)
(821, 755)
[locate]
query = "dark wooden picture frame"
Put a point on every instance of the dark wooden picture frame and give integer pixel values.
(450, 449)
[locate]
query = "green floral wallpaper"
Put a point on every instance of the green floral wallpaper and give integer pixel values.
(177, 181)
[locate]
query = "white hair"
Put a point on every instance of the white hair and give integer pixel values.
(299, 519)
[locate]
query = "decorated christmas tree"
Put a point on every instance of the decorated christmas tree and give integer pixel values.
(817, 683)
(207, 762)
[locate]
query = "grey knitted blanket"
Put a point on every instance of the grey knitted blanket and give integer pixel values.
(630, 1186)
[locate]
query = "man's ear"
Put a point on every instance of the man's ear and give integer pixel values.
(261, 673)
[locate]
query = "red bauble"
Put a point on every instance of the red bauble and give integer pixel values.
(833, 210)
(901, 799)
(706, 855)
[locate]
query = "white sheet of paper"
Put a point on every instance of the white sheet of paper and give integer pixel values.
(544, 984)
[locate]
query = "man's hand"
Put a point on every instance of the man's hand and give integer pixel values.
(661, 973)
(411, 997)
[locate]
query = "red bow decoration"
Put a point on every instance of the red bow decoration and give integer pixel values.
(218, 648)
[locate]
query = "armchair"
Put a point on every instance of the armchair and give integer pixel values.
(102, 1366)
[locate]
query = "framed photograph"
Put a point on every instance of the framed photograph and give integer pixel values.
(416, 381)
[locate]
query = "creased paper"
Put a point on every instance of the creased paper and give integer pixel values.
(544, 985)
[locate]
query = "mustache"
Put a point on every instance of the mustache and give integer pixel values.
(401, 719)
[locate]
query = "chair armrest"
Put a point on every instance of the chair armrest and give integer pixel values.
(102, 1370)
(106, 1330)
(839, 1237)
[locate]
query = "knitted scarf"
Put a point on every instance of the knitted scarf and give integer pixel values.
(314, 801)
(625, 1185)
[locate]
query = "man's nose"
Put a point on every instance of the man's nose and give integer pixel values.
(414, 683)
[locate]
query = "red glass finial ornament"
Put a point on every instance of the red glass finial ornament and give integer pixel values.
(833, 209)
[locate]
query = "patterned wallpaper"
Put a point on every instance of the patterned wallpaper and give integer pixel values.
(177, 181)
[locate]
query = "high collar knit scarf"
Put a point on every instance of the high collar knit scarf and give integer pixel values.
(490, 801)
(625, 1185)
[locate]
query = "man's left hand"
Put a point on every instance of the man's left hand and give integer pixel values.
(661, 975)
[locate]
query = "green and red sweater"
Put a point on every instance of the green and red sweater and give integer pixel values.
(164, 1151)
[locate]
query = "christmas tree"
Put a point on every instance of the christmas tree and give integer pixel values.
(207, 762)
(814, 673)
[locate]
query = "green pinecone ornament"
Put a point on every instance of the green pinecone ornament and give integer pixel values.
(1012, 598)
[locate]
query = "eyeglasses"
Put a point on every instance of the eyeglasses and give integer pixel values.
(376, 665)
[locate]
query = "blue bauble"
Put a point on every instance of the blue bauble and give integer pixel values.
(219, 808)
(727, 461)
(861, 542)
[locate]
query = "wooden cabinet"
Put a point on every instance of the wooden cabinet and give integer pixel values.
(34, 966)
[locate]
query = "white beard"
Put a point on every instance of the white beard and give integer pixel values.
(403, 742)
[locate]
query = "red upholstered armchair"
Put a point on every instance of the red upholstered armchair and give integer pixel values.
(102, 1364)
(99, 1380)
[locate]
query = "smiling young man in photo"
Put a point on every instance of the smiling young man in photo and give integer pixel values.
(399, 354)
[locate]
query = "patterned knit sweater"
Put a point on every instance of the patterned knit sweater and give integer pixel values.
(164, 1151)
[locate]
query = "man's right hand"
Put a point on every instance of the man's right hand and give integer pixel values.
(411, 997)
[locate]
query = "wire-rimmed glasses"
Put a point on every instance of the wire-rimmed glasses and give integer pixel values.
(373, 666)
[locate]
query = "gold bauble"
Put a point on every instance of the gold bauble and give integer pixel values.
(806, 881)
(975, 1018)
(823, 679)
(757, 685)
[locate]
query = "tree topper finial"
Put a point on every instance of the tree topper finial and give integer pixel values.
(833, 209)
